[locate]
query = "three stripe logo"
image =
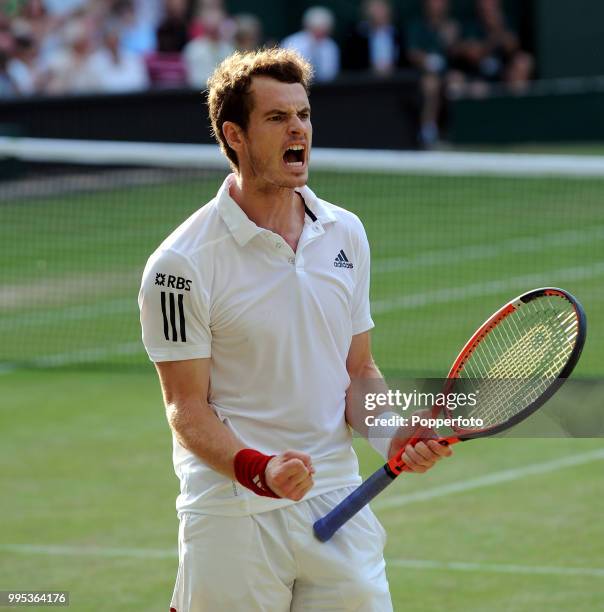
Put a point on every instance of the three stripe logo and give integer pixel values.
(341, 260)
(169, 314)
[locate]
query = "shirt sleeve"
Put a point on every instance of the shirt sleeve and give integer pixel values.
(361, 309)
(174, 310)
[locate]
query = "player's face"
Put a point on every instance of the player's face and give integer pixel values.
(279, 134)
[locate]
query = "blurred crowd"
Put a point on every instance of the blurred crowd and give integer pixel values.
(89, 46)
(83, 46)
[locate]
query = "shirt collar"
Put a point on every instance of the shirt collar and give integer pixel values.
(320, 210)
(243, 229)
(237, 221)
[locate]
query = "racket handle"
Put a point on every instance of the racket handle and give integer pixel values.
(325, 527)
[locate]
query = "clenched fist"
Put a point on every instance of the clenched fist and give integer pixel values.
(289, 474)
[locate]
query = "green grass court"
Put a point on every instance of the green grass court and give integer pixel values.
(87, 480)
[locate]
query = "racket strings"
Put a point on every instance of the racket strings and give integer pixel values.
(519, 358)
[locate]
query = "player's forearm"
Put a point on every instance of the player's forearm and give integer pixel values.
(200, 431)
(369, 380)
(364, 379)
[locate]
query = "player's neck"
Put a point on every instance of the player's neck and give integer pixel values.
(279, 209)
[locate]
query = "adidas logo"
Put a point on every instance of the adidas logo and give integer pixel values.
(341, 261)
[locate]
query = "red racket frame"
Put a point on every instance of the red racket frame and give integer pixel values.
(396, 465)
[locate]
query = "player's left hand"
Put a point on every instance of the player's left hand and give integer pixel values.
(425, 454)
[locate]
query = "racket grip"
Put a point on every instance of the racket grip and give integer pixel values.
(325, 527)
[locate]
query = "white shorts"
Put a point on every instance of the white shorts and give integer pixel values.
(271, 562)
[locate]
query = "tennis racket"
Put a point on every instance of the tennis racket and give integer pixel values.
(517, 359)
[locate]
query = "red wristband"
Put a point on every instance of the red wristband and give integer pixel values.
(250, 466)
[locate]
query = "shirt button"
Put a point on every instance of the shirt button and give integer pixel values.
(291, 260)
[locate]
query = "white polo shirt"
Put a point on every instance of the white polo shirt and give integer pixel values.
(277, 326)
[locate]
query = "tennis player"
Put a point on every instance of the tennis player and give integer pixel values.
(256, 313)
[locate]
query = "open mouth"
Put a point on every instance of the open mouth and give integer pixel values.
(294, 156)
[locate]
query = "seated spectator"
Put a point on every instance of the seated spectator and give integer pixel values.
(7, 86)
(173, 28)
(69, 69)
(197, 27)
(6, 35)
(118, 69)
(204, 53)
(45, 30)
(375, 43)
(431, 43)
(490, 50)
(166, 70)
(8, 89)
(136, 22)
(150, 12)
(248, 32)
(23, 67)
(38, 18)
(166, 66)
(314, 43)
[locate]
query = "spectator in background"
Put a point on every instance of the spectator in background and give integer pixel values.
(22, 67)
(149, 12)
(69, 70)
(432, 41)
(248, 32)
(8, 89)
(6, 37)
(117, 69)
(44, 23)
(197, 27)
(33, 13)
(165, 66)
(375, 43)
(314, 43)
(137, 22)
(173, 27)
(490, 49)
(45, 30)
(205, 52)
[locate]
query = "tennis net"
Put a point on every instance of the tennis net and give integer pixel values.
(453, 236)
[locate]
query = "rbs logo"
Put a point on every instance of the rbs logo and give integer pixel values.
(174, 282)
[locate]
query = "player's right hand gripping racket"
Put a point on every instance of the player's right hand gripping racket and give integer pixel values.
(519, 357)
